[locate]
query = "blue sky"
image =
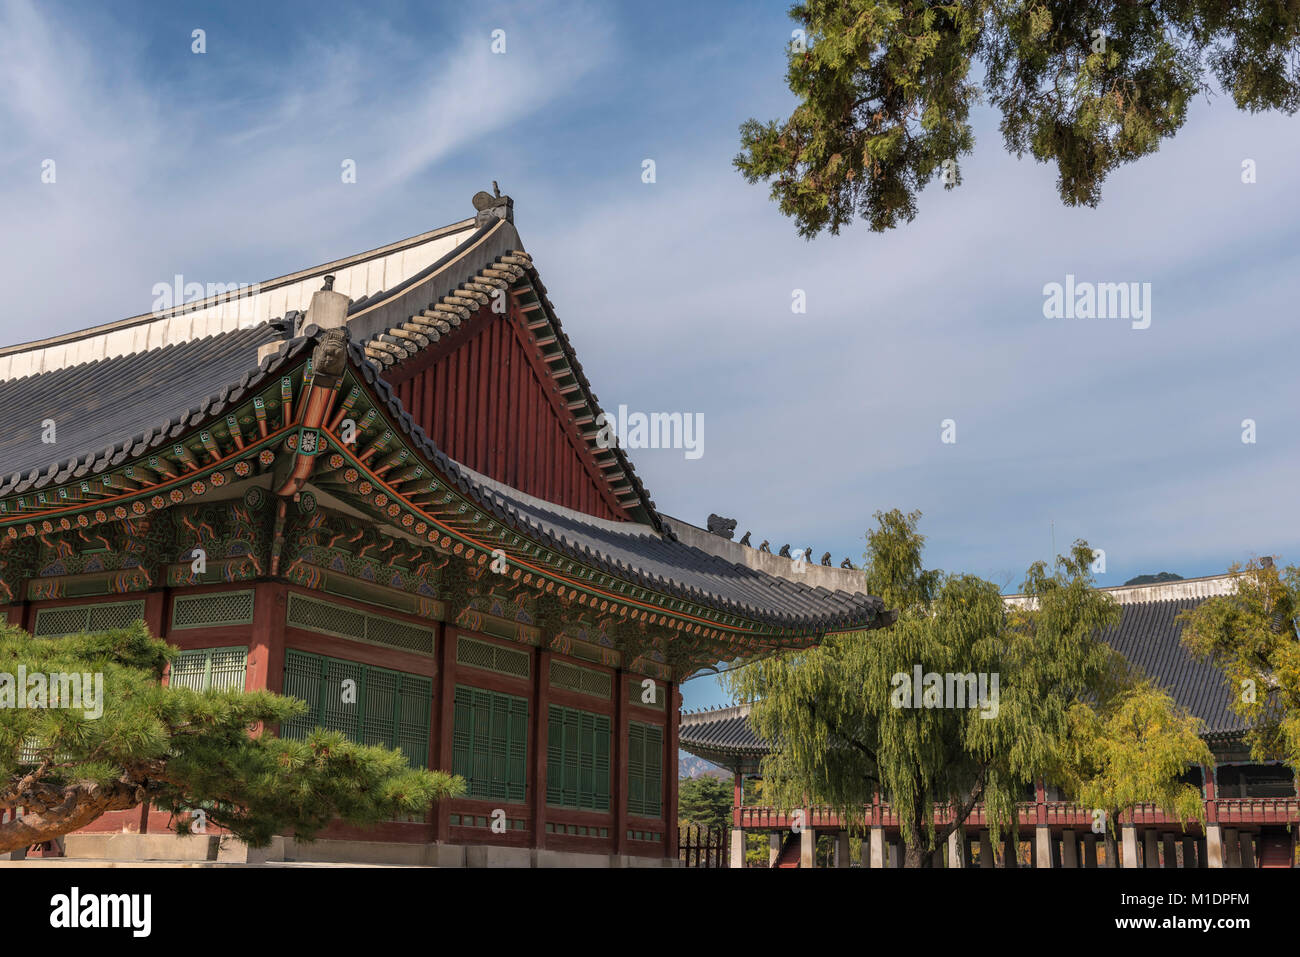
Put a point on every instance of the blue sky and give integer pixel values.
(225, 167)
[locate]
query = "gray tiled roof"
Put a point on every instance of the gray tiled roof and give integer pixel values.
(107, 410)
(113, 408)
(1150, 638)
(637, 552)
(728, 732)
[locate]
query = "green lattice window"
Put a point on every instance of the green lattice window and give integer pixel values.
(213, 609)
(473, 653)
(75, 619)
(645, 763)
(598, 684)
(490, 743)
(577, 759)
(330, 618)
(210, 669)
(378, 706)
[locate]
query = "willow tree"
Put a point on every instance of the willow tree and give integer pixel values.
(121, 738)
(1252, 634)
(1129, 747)
(884, 90)
(957, 703)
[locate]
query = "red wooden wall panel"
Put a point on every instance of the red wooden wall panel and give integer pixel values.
(489, 407)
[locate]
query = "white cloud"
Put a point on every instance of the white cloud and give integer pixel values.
(233, 174)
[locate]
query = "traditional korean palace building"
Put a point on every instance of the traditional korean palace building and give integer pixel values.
(1252, 810)
(387, 469)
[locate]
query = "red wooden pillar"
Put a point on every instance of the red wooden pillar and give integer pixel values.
(157, 605)
(621, 762)
(1211, 804)
(266, 644)
(1040, 798)
(157, 618)
(541, 732)
(446, 727)
(674, 699)
(16, 613)
(738, 795)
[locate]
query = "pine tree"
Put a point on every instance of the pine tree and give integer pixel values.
(179, 749)
(704, 801)
(885, 89)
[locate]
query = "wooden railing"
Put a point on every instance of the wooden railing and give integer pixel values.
(702, 846)
(1249, 811)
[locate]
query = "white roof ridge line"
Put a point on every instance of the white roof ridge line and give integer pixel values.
(1204, 586)
(359, 277)
(247, 290)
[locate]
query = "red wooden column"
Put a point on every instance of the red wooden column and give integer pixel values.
(737, 797)
(445, 704)
(537, 768)
(621, 762)
(157, 618)
(266, 644)
(16, 613)
(674, 699)
(1211, 804)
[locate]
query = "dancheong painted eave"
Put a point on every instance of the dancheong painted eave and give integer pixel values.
(154, 426)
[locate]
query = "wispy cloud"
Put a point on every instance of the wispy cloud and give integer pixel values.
(234, 173)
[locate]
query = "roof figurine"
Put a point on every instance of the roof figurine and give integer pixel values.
(492, 206)
(725, 527)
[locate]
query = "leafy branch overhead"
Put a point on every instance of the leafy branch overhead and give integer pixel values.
(885, 91)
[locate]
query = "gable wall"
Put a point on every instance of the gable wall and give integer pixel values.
(487, 406)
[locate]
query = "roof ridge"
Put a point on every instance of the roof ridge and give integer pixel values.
(722, 713)
(1206, 586)
(231, 307)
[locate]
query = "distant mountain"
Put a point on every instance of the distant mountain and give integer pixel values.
(689, 766)
(1154, 579)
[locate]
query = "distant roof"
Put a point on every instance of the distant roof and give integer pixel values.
(1150, 638)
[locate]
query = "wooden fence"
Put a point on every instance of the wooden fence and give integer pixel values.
(702, 846)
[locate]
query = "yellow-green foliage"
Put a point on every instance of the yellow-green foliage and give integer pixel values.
(1131, 750)
(1251, 634)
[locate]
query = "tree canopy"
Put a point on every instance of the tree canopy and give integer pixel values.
(885, 89)
(1131, 747)
(178, 748)
(881, 713)
(704, 801)
(1252, 634)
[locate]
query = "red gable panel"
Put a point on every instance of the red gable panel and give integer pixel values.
(487, 400)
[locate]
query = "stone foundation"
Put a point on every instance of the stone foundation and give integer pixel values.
(174, 848)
